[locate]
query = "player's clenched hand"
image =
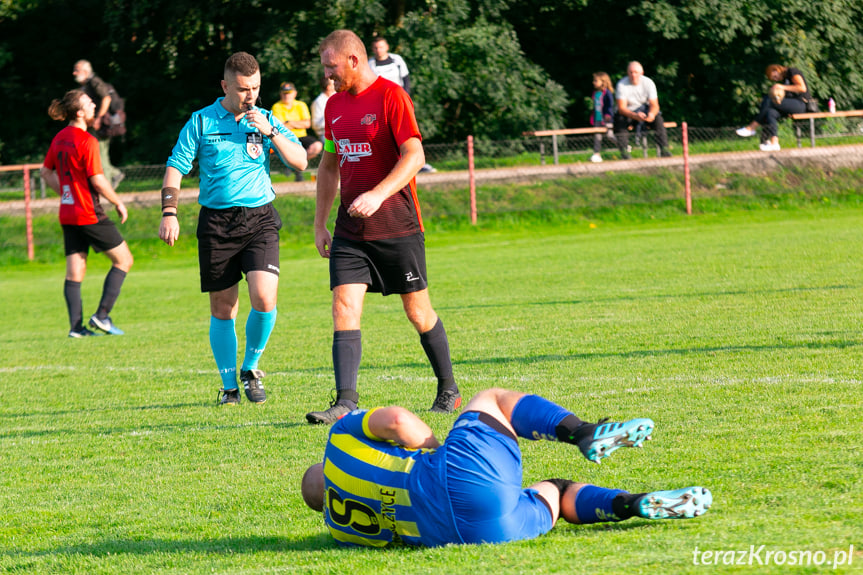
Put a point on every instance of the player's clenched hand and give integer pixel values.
(122, 212)
(323, 241)
(365, 205)
(169, 230)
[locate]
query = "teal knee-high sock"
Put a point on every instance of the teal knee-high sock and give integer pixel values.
(259, 326)
(223, 341)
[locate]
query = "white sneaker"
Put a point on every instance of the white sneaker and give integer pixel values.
(769, 147)
(745, 132)
(596, 158)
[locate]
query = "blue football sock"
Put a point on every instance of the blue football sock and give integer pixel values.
(595, 504)
(535, 417)
(223, 341)
(259, 326)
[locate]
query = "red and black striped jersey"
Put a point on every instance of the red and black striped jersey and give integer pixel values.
(367, 130)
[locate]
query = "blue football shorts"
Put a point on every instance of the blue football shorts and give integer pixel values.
(484, 482)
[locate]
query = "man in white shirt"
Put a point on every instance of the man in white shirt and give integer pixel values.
(393, 68)
(390, 66)
(638, 105)
(320, 104)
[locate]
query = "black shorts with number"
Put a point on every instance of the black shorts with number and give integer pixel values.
(236, 241)
(389, 266)
(101, 236)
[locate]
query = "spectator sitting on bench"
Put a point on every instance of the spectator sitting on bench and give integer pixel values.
(638, 105)
(795, 90)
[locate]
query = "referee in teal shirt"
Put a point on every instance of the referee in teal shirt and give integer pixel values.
(238, 227)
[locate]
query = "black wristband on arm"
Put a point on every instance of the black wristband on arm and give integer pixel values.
(169, 214)
(170, 197)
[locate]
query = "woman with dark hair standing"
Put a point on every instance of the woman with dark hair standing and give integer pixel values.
(72, 168)
(789, 82)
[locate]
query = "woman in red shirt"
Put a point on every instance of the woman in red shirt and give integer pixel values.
(72, 168)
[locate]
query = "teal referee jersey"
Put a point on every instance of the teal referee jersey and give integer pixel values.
(233, 157)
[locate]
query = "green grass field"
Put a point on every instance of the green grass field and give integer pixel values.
(738, 331)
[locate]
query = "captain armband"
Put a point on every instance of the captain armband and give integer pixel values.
(170, 197)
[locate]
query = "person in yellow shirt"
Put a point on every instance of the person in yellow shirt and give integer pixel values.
(294, 114)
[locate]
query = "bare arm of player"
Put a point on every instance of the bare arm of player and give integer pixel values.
(327, 188)
(50, 177)
(403, 427)
(293, 154)
(412, 159)
(100, 184)
(169, 227)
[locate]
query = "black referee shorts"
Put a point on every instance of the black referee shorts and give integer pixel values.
(236, 241)
(101, 236)
(390, 266)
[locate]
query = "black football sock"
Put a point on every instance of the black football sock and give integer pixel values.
(72, 293)
(436, 346)
(624, 504)
(572, 429)
(347, 352)
(110, 291)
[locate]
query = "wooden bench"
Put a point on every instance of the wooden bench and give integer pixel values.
(577, 132)
(812, 116)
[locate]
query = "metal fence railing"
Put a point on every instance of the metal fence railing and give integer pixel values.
(527, 151)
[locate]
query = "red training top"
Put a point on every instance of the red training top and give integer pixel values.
(367, 130)
(74, 154)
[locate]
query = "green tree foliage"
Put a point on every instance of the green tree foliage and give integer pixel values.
(491, 68)
(471, 75)
(707, 56)
(165, 57)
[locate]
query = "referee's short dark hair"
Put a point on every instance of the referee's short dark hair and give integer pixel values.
(241, 64)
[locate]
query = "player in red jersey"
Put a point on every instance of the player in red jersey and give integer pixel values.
(373, 149)
(72, 168)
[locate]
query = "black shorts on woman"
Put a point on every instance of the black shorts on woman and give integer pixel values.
(236, 241)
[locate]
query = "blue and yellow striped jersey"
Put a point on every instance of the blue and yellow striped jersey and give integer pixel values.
(379, 493)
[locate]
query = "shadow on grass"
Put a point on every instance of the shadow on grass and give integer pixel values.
(638, 353)
(656, 352)
(133, 429)
(221, 546)
(675, 296)
(257, 544)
